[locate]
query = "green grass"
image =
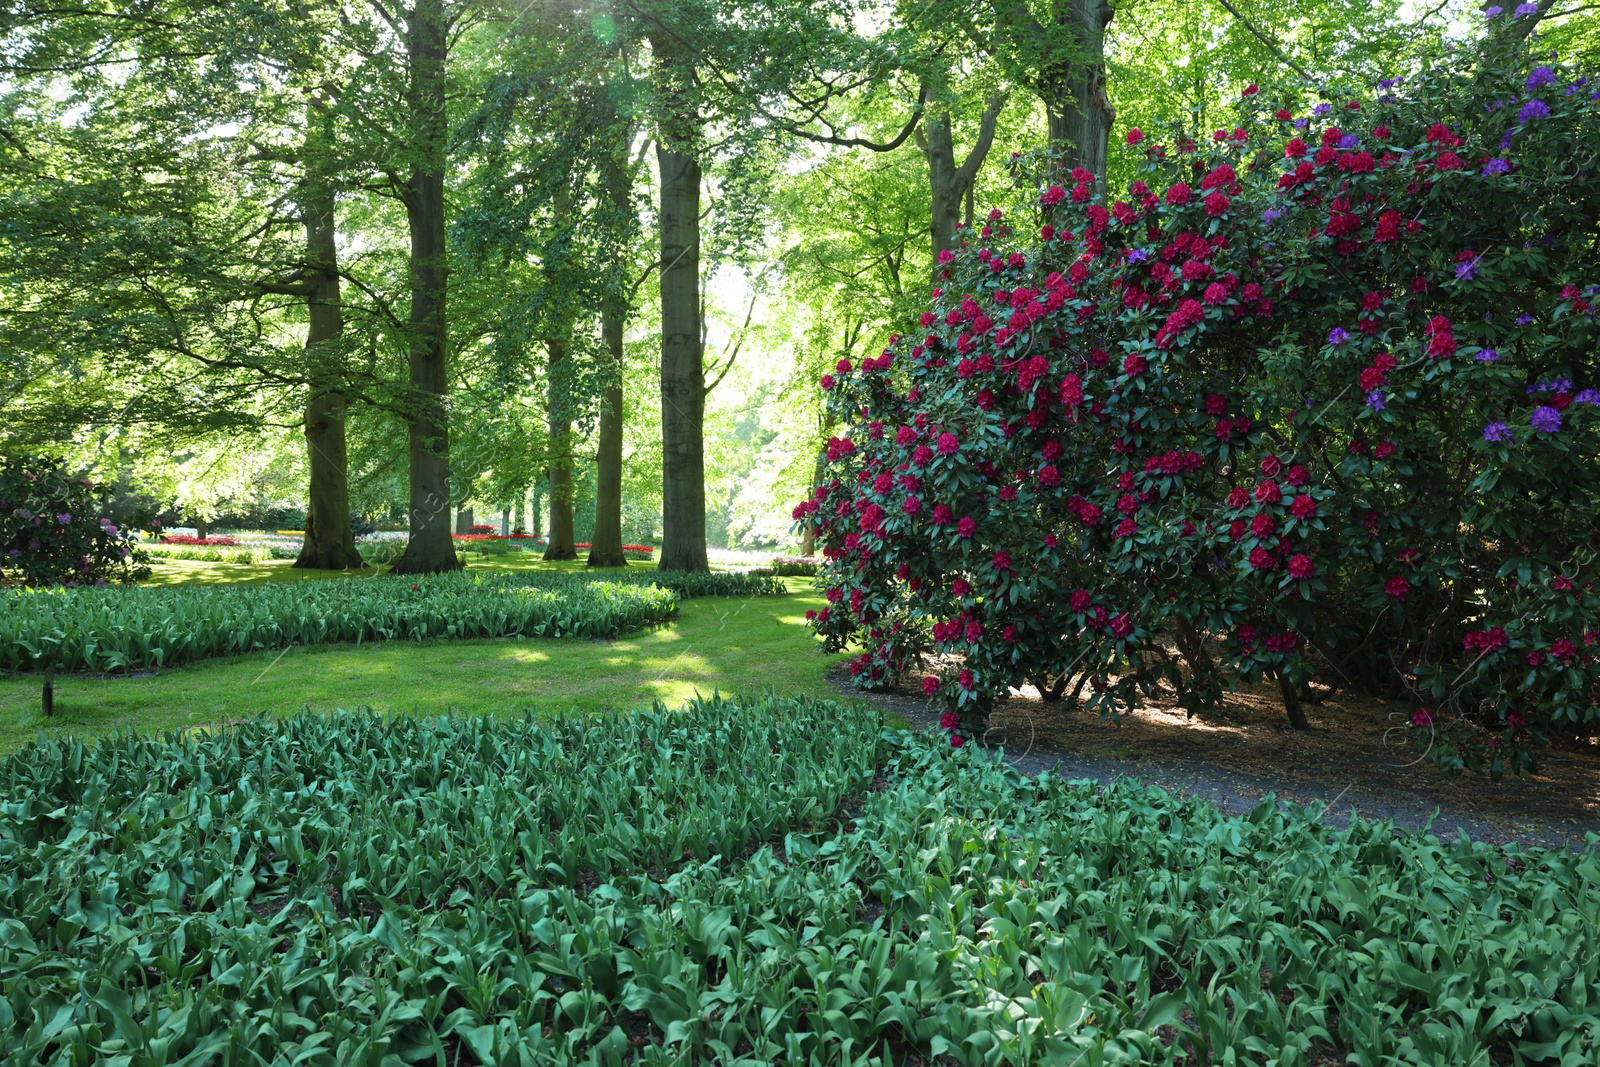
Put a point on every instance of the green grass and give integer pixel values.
(778, 881)
(717, 644)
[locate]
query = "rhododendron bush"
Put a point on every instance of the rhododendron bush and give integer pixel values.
(54, 529)
(1314, 401)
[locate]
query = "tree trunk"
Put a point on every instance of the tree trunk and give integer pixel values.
(430, 549)
(202, 529)
(505, 522)
(330, 544)
(683, 390)
(944, 197)
(559, 403)
(605, 549)
(1078, 113)
(948, 182)
(1291, 704)
(464, 520)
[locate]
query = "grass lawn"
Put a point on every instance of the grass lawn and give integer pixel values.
(726, 645)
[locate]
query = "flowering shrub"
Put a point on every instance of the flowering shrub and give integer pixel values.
(52, 531)
(1315, 397)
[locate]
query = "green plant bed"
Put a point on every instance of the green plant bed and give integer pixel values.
(129, 629)
(776, 876)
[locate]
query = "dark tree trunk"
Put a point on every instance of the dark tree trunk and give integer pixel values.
(464, 520)
(948, 182)
(1291, 704)
(683, 390)
(559, 403)
(430, 549)
(1078, 113)
(944, 197)
(505, 522)
(330, 544)
(202, 529)
(606, 546)
(47, 695)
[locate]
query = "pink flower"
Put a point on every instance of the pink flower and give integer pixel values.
(843, 366)
(1301, 567)
(1268, 492)
(1422, 718)
(1303, 507)
(948, 720)
(956, 740)
(967, 526)
(1002, 560)
(964, 680)
(948, 443)
(826, 382)
(1080, 600)
(1262, 560)
(1398, 587)
(911, 506)
(1134, 136)
(1179, 194)
(1121, 626)
(1049, 476)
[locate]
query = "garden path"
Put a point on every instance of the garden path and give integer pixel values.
(1235, 755)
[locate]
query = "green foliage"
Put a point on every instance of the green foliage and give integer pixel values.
(689, 584)
(131, 629)
(668, 887)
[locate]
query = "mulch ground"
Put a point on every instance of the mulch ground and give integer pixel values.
(1357, 758)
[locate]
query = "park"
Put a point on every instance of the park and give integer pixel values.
(750, 531)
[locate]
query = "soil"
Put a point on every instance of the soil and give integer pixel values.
(1357, 759)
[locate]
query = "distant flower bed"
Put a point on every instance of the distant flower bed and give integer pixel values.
(191, 539)
(795, 565)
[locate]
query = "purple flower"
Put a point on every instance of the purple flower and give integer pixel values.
(1546, 419)
(1540, 75)
(1588, 396)
(1300, 124)
(1494, 12)
(1349, 141)
(1467, 269)
(1561, 385)
(1338, 335)
(1488, 355)
(1496, 432)
(64, 518)
(1271, 215)
(1138, 255)
(1534, 109)
(1321, 110)
(1375, 400)
(1524, 319)
(1495, 166)
(1524, 10)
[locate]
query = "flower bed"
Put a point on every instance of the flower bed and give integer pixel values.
(796, 566)
(131, 629)
(724, 877)
(191, 539)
